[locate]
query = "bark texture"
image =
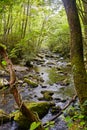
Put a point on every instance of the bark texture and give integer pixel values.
(25, 111)
(77, 60)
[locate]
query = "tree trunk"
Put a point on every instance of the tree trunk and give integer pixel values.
(85, 25)
(77, 60)
(25, 111)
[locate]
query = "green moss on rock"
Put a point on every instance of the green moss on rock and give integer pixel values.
(32, 83)
(40, 107)
(47, 95)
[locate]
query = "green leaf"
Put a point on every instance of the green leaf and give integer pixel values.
(81, 116)
(4, 63)
(46, 128)
(51, 123)
(2, 46)
(34, 125)
(67, 119)
(82, 123)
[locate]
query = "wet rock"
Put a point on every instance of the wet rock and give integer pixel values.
(3, 73)
(20, 81)
(48, 92)
(3, 82)
(30, 82)
(69, 64)
(28, 64)
(41, 79)
(58, 99)
(24, 84)
(41, 108)
(4, 117)
(39, 60)
(48, 55)
(63, 100)
(58, 68)
(65, 82)
(19, 68)
(56, 109)
(44, 86)
(28, 76)
(41, 56)
(51, 63)
(47, 95)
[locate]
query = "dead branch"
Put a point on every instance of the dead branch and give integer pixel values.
(13, 87)
(61, 112)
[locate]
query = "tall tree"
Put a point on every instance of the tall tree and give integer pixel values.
(85, 23)
(77, 60)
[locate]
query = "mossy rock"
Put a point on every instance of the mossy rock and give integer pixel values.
(47, 95)
(32, 83)
(4, 117)
(56, 109)
(41, 108)
(3, 82)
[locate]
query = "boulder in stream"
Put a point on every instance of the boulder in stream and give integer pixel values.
(29, 82)
(47, 95)
(41, 108)
(3, 82)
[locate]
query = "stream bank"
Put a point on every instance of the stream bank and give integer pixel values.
(49, 79)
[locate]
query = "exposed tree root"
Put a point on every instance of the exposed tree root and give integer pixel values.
(12, 83)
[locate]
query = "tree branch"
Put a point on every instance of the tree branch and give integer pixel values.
(13, 87)
(61, 112)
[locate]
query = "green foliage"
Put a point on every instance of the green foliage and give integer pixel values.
(59, 37)
(85, 103)
(69, 121)
(34, 125)
(49, 125)
(78, 118)
(25, 31)
(4, 63)
(2, 47)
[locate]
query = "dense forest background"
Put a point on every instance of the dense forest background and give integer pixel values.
(26, 26)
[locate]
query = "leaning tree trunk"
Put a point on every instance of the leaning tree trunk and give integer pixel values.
(77, 60)
(25, 111)
(85, 25)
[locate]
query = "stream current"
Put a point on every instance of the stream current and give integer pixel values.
(54, 74)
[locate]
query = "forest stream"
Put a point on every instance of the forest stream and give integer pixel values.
(52, 73)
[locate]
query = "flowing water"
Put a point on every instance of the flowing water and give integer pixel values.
(54, 74)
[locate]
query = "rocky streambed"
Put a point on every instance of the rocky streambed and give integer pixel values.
(49, 80)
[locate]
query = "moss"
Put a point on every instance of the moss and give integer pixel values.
(4, 117)
(1, 85)
(77, 126)
(80, 78)
(47, 95)
(55, 75)
(33, 84)
(41, 108)
(2, 47)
